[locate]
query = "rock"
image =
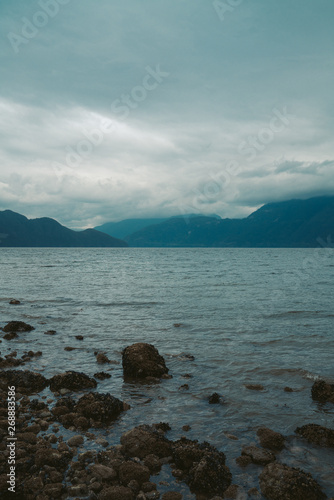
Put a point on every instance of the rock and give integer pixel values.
(102, 408)
(254, 493)
(132, 470)
(172, 495)
(270, 439)
(203, 467)
(51, 457)
(258, 455)
(75, 440)
(288, 389)
(24, 380)
(18, 326)
(254, 387)
(153, 463)
(15, 302)
(74, 381)
(214, 399)
(50, 332)
(102, 442)
(10, 336)
(162, 426)
(102, 375)
(278, 481)
(102, 358)
(116, 493)
(79, 337)
(243, 460)
(69, 349)
(232, 492)
(323, 392)
(145, 440)
(317, 434)
(184, 387)
(143, 360)
(186, 428)
(103, 472)
(148, 486)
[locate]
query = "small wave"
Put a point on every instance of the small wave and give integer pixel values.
(126, 304)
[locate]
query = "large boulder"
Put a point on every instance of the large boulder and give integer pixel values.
(145, 440)
(317, 434)
(278, 481)
(18, 326)
(143, 360)
(203, 467)
(24, 380)
(323, 392)
(73, 381)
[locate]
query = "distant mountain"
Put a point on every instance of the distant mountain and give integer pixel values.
(294, 223)
(18, 231)
(126, 227)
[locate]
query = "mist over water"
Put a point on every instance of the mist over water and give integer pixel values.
(248, 316)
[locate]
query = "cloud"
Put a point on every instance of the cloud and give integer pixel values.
(171, 146)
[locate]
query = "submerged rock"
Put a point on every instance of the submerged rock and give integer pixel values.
(18, 326)
(74, 381)
(24, 380)
(15, 302)
(102, 375)
(278, 482)
(258, 455)
(270, 439)
(322, 391)
(317, 434)
(143, 360)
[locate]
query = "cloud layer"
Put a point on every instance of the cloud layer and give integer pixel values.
(118, 109)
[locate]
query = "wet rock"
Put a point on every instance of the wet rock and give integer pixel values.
(9, 362)
(323, 392)
(14, 302)
(147, 487)
(101, 408)
(187, 357)
(232, 492)
(51, 457)
(116, 493)
(186, 428)
(184, 387)
(145, 440)
(258, 455)
(79, 337)
(254, 493)
(172, 495)
(288, 389)
(131, 470)
(102, 442)
(203, 466)
(102, 375)
(278, 481)
(270, 439)
(317, 434)
(24, 380)
(162, 426)
(153, 463)
(18, 326)
(69, 349)
(143, 360)
(50, 332)
(74, 381)
(254, 387)
(10, 336)
(214, 399)
(243, 460)
(102, 358)
(103, 472)
(75, 440)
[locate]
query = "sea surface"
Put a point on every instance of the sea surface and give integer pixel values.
(246, 316)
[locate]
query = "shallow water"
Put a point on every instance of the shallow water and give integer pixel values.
(248, 316)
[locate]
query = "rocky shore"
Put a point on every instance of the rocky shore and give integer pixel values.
(52, 460)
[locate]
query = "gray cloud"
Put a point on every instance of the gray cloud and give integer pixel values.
(170, 139)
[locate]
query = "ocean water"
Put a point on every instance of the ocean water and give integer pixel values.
(247, 316)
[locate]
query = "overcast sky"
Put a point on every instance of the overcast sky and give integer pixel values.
(115, 109)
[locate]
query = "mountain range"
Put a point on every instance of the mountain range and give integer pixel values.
(18, 231)
(294, 223)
